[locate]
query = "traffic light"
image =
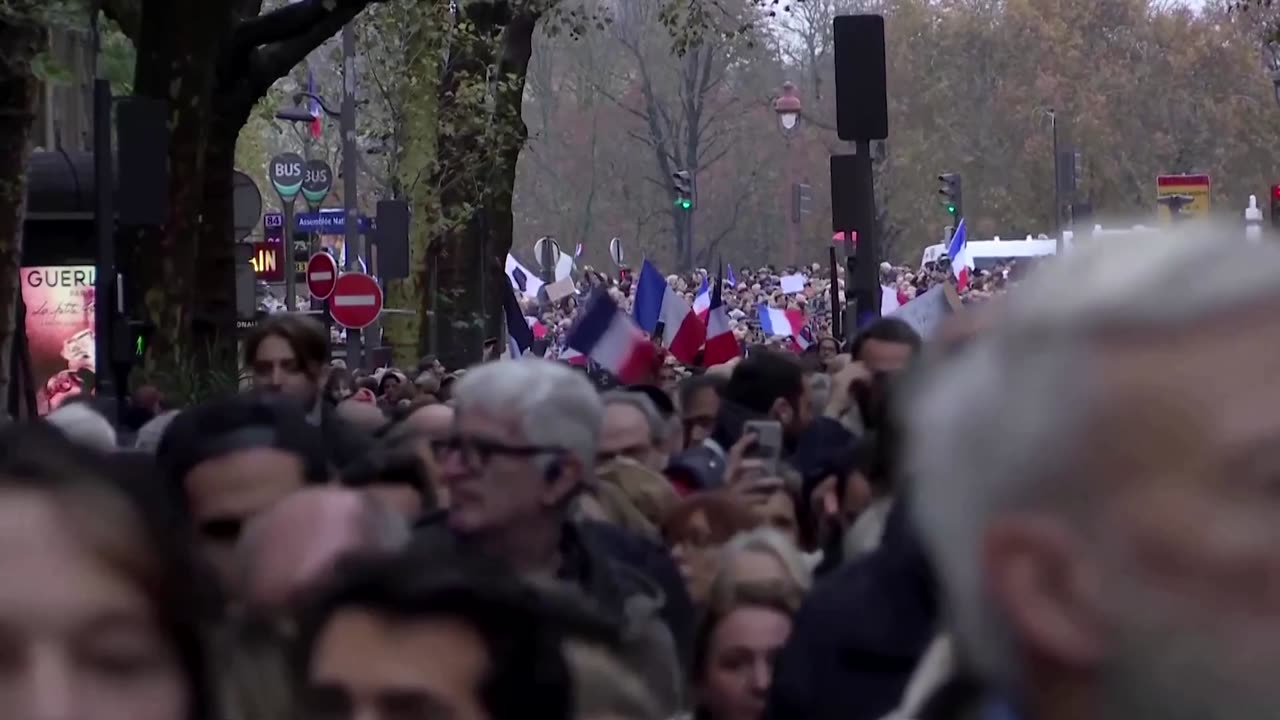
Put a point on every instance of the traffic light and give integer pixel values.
(683, 183)
(951, 193)
(141, 331)
(1275, 206)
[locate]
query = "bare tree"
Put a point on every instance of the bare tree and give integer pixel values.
(683, 104)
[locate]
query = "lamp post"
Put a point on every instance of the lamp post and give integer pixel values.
(1057, 183)
(789, 110)
(347, 125)
(294, 116)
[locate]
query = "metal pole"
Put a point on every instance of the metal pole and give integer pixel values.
(1057, 183)
(793, 222)
(350, 206)
(105, 220)
(864, 285)
(290, 266)
(314, 246)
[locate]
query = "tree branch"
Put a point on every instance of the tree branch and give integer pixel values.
(289, 22)
(272, 62)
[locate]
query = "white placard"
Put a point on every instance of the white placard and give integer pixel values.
(926, 313)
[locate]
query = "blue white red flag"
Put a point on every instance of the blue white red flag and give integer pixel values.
(958, 251)
(313, 106)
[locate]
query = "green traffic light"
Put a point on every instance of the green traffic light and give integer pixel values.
(141, 346)
(684, 203)
(951, 208)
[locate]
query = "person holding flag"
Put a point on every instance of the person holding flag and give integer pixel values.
(721, 346)
(702, 300)
(958, 251)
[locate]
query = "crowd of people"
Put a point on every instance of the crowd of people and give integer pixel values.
(1057, 508)
(747, 290)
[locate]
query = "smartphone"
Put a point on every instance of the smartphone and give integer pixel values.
(768, 444)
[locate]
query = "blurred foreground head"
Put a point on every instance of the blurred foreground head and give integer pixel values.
(98, 612)
(1094, 475)
(294, 545)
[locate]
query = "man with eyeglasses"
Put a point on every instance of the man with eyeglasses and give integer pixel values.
(525, 439)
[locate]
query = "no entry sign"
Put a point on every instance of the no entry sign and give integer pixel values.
(322, 275)
(356, 301)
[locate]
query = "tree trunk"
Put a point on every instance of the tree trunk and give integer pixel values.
(214, 318)
(407, 334)
(176, 57)
(23, 37)
(477, 171)
(213, 62)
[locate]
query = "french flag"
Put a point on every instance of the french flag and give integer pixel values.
(655, 302)
(803, 340)
(313, 106)
(722, 346)
(702, 301)
(776, 322)
(732, 280)
(958, 251)
(573, 357)
(606, 335)
(519, 334)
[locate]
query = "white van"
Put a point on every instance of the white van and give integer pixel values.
(985, 253)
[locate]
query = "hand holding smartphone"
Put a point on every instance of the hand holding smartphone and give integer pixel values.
(768, 443)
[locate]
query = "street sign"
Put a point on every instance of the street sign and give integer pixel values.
(268, 261)
(546, 262)
(322, 275)
(615, 251)
(317, 181)
(356, 301)
(329, 223)
(286, 172)
(273, 220)
(246, 205)
(1169, 189)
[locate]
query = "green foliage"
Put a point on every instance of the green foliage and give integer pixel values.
(118, 58)
(191, 378)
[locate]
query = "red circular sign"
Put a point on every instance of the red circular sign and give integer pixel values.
(356, 301)
(322, 275)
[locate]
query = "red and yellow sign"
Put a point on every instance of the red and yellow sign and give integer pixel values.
(267, 261)
(1194, 187)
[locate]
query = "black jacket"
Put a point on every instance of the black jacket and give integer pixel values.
(859, 635)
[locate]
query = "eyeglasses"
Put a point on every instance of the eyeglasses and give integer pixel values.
(478, 452)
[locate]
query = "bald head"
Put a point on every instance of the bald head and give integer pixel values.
(434, 421)
(362, 415)
(294, 545)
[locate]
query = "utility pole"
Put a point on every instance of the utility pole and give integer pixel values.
(104, 286)
(350, 204)
(1057, 182)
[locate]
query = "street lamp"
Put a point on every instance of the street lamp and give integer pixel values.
(347, 126)
(1057, 185)
(787, 106)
